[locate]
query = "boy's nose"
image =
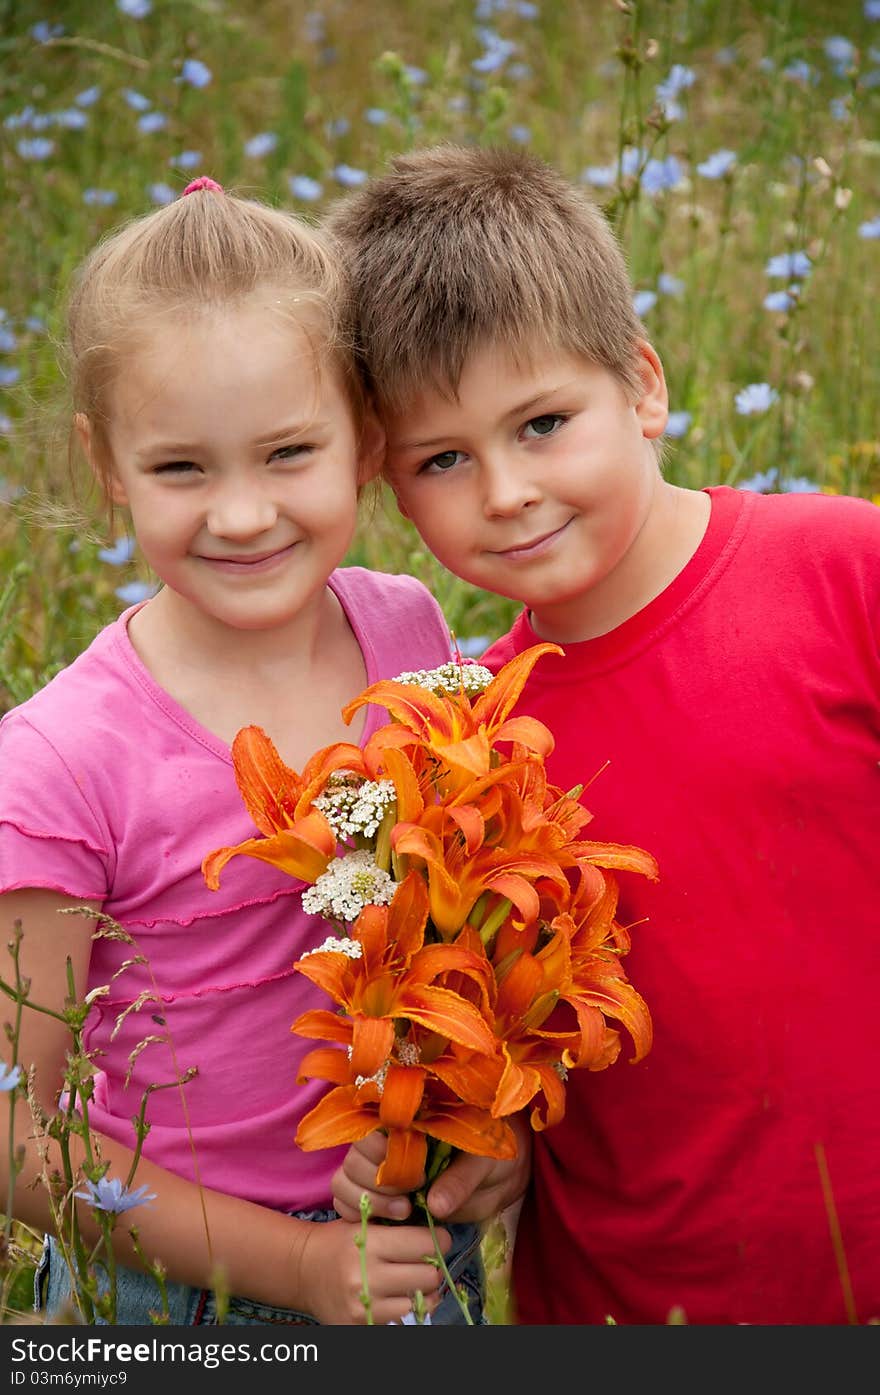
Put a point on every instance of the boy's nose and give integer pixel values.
(507, 488)
(240, 510)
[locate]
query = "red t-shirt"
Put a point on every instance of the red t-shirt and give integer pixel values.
(740, 714)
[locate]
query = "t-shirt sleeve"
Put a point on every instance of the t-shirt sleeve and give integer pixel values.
(49, 835)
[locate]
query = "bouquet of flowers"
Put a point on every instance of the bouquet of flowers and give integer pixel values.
(476, 955)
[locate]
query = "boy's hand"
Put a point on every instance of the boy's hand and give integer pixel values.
(399, 1260)
(470, 1189)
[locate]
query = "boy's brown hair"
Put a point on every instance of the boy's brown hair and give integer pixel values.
(457, 247)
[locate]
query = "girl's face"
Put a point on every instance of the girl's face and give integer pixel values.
(237, 458)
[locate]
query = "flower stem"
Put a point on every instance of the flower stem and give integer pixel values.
(457, 1294)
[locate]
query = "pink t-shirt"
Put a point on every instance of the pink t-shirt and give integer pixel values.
(111, 791)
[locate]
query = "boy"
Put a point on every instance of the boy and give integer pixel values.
(721, 660)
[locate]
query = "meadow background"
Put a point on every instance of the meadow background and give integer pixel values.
(734, 147)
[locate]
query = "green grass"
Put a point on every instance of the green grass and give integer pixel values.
(582, 80)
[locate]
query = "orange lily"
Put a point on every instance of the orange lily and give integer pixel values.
(457, 732)
(393, 979)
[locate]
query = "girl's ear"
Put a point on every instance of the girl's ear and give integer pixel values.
(108, 481)
(371, 451)
(652, 407)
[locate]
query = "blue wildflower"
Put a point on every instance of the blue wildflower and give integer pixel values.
(186, 160)
(518, 72)
(100, 198)
(375, 116)
(600, 176)
(71, 119)
(195, 72)
(44, 31)
(677, 424)
(136, 100)
(161, 193)
(757, 397)
(678, 79)
(779, 301)
(669, 285)
(472, 648)
(35, 324)
(10, 1075)
(643, 301)
(415, 75)
(88, 97)
(872, 9)
(8, 341)
(761, 483)
(37, 148)
(121, 552)
(870, 230)
(717, 165)
(135, 9)
(520, 135)
(790, 265)
(525, 10)
(135, 591)
(799, 485)
(725, 56)
(659, 175)
(840, 52)
(9, 377)
(338, 127)
(798, 71)
(262, 144)
(152, 121)
(349, 177)
(16, 119)
(111, 1194)
(302, 187)
(839, 108)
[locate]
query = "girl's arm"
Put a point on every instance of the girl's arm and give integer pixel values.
(197, 1233)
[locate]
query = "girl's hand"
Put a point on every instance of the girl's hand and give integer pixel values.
(397, 1261)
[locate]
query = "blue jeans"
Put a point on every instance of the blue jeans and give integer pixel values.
(138, 1293)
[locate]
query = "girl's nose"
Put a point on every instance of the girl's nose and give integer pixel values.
(240, 509)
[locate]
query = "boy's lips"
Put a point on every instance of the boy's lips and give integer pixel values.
(522, 552)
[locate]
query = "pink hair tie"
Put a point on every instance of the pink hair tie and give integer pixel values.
(202, 183)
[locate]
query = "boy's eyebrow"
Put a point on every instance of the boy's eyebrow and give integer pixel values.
(516, 411)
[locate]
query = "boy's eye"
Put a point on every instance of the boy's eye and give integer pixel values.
(544, 425)
(444, 460)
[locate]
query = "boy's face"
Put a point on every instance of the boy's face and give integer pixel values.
(538, 482)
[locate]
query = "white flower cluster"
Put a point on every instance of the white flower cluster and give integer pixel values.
(333, 945)
(354, 806)
(450, 678)
(378, 1079)
(408, 1054)
(349, 884)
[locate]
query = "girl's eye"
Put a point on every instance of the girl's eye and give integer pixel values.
(443, 461)
(545, 425)
(294, 452)
(174, 467)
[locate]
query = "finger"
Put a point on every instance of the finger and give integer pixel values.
(455, 1188)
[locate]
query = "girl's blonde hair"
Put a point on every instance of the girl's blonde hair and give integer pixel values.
(206, 251)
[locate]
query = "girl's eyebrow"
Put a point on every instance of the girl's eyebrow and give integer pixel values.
(179, 448)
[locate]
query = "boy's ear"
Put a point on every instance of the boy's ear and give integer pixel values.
(371, 452)
(108, 480)
(652, 407)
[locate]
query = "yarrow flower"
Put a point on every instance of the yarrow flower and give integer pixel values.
(111, 1194)
(755, 398)
(353, 806)
(350, 883)
(334, 945)
(450, 678)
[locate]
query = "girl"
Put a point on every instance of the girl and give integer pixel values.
(216, 401)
